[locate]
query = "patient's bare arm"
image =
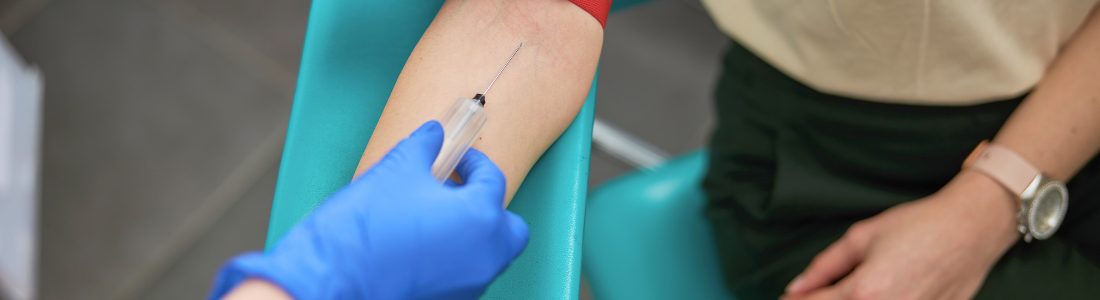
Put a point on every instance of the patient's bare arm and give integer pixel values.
(528, 107)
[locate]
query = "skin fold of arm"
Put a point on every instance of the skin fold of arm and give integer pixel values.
(537, 97)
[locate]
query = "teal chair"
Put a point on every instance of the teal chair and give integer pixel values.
(353, 53)
(645, 236)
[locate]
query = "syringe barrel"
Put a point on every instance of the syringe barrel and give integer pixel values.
(461, 127)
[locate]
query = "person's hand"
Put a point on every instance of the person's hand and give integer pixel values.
(939, 247)
(396, 233)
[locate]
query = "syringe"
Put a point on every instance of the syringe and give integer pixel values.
(462, 125)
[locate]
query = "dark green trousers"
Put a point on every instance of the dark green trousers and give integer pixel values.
(791, 168)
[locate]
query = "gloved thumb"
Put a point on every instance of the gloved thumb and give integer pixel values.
(519, 233)
(419, 149)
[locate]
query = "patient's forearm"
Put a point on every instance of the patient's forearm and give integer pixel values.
(532, 103)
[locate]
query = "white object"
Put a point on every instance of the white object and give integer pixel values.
(461, 126)
(626, 147)
(20, 106)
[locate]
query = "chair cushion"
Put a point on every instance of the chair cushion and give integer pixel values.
(646, 237)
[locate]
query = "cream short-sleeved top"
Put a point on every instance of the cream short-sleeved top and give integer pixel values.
(929, 52)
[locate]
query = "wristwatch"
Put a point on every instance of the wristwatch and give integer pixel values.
(1043, 200)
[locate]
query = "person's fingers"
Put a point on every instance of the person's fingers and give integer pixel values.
(839, 259)
(481, 177)
(419, 149)
(519, 233)
(834, 292)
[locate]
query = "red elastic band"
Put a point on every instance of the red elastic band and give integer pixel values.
(597, 8)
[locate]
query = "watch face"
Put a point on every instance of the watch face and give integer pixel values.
(1047, 210)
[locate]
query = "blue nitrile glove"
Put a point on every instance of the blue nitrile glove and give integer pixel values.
(396, 233)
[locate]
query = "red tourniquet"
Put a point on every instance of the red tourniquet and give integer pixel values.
(597, 8)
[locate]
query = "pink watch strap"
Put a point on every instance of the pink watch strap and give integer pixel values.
(1004, 165)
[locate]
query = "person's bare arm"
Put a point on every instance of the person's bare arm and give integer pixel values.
(532, 103)
(1057, 128)
(963, 229)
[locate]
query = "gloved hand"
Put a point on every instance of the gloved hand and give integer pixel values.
(396, 233)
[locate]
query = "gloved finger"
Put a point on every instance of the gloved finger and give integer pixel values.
(482, 177)
(519, 233)
(419, 149)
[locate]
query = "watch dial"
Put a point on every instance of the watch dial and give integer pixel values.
(1047, 211)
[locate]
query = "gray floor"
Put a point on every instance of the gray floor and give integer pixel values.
(164, 119)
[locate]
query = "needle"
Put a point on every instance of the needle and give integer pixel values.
(481, 96)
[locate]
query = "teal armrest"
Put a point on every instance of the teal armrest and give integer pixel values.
(646, 237)
(353, 53)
